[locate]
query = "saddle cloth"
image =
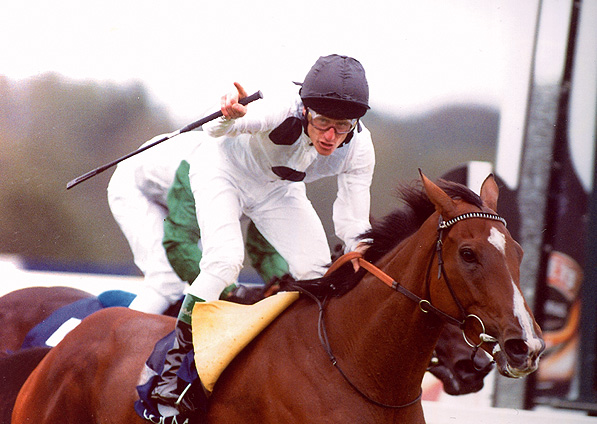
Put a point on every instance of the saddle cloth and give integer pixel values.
(221, 330)
(50, 331)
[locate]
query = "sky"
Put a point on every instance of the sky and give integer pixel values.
(188, 53)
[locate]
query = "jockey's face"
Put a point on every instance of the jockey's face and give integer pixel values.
(324, 134)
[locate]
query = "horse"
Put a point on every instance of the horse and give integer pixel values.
(461, 370)
(451, 260)
(452, 363)
(23, 309)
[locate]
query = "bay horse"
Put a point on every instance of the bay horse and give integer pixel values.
(23, 309)
(452, 261)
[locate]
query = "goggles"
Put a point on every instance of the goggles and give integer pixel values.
(323, 123)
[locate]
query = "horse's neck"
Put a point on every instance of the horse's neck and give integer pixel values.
(382, 334)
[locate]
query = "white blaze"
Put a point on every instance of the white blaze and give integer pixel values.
(498, 239)
(525, 320)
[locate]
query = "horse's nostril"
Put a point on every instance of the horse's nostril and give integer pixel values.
(516, 349)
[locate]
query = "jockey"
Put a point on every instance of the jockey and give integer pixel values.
(151, 201)
(257, 165)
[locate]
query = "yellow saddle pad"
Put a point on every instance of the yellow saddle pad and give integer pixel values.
(222, 329)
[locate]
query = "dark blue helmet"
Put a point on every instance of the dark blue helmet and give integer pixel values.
(336, 87)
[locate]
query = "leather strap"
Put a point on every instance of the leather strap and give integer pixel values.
(424, 305)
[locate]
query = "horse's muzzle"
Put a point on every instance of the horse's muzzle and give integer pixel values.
(518, 357)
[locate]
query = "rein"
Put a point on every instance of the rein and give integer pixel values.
(424, 304)
(323, 338)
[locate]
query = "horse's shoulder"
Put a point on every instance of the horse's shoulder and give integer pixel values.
(296, 326)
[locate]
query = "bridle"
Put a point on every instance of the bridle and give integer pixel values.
(445, 226)
(424, 304)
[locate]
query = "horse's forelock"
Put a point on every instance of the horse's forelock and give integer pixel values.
(455, 190)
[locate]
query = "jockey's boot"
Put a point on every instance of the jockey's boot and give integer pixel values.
(170, 390)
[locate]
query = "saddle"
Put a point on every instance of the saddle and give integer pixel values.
(221, 330)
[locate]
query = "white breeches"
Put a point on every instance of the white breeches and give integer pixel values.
(142, 222)
(280, 210)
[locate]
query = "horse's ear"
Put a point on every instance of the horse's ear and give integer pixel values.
(490, 192)
(443, 203)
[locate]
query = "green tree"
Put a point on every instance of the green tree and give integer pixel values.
(54, 129)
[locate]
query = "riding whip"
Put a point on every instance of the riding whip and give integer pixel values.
(244, 101)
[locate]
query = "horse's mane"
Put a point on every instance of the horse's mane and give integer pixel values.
(384, 235)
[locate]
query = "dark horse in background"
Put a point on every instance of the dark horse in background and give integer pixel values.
(449, 258)
(23, 309)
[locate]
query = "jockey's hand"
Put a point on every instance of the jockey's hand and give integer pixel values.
(231, 108)
(361, 248)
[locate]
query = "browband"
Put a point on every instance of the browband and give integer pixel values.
(446, 224)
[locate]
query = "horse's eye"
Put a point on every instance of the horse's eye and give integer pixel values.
(468, 255)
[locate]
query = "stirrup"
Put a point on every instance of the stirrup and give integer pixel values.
(184, 392)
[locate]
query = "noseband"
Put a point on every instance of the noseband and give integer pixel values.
(424, 304)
